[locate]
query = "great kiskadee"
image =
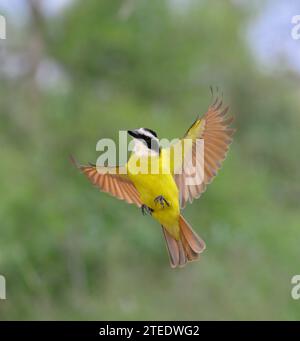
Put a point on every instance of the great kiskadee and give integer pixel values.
(164, 194)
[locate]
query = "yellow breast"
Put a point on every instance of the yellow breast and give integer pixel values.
(148, 176)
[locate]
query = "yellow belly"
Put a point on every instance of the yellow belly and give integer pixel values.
(150, 186)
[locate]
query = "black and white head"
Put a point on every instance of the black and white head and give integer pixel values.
(146, 141)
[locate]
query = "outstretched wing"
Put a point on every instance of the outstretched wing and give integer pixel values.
(215, 129)
(112, 181)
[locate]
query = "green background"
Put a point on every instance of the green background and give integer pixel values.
(70, 252)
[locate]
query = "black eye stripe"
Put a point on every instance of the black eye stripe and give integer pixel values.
(145, 139)
(151, 143)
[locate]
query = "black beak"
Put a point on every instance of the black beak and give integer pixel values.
(132, 133)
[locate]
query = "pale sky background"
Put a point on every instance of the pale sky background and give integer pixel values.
(269, 35)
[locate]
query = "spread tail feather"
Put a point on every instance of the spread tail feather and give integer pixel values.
(187, 248)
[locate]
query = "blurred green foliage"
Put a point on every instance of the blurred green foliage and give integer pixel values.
(70, 252)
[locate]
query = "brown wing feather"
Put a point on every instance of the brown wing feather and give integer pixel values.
(217, 134)
(112, 181)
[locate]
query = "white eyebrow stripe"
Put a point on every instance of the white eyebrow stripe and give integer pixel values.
(142, 131)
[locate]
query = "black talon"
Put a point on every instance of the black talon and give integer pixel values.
(162, 201)
(146, 210)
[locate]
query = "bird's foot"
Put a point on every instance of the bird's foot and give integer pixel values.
(146, 210)
(163, 202)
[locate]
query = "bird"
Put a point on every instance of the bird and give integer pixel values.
(164, 194)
